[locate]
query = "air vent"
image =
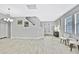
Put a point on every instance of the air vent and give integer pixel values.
(31, 6)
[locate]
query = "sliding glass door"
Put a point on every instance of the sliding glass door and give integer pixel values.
(77, 24)
(68, 25)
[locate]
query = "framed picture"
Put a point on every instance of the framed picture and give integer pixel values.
(19, 22)
(26, 24)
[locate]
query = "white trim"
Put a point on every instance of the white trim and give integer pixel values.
(65, 24)
(75, 23)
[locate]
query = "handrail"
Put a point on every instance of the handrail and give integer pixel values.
(28, 18)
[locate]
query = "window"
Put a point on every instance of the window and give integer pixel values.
(26, 24)
(68, 24)
(77, 23)
(19, 22)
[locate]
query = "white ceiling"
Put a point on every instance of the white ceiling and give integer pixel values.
(45, 12)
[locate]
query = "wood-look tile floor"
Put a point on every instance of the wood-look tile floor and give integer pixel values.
(48, 45)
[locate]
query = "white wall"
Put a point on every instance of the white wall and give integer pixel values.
(31, 32)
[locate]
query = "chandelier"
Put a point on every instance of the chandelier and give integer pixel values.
(8, 19)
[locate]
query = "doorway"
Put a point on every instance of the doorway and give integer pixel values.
(3, 30)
